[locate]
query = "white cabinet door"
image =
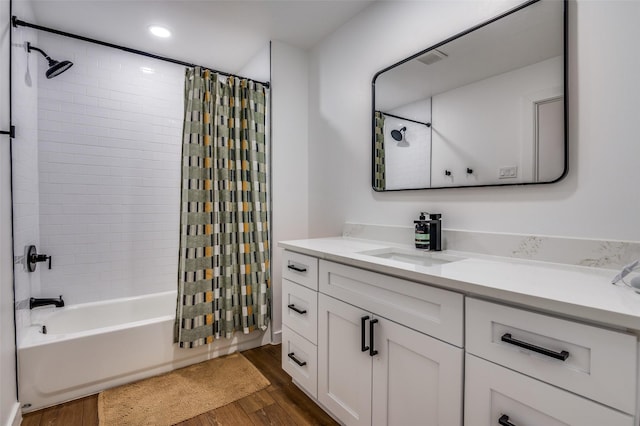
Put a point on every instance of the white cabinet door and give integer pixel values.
(495, 395)
(344, 370)
(417, 380)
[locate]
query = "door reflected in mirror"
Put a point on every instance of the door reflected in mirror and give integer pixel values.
(485, 107)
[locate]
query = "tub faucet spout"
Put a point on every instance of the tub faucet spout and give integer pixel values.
(35, 302)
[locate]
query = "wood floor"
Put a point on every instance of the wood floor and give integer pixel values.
(282, 403)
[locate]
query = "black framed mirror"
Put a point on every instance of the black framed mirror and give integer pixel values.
(486, 107)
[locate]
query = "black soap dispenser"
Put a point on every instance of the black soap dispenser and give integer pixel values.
(435, 232)
(422, 231)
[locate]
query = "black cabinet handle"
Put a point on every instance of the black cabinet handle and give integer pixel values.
(562, 356)
(372, 352)
(293, 308)
(295, 268)
(296, 360)
(362, 332)
(504, 421)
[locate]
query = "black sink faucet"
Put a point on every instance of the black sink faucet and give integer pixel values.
(35, 302)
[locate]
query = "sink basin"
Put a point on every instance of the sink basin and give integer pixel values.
(413, 257)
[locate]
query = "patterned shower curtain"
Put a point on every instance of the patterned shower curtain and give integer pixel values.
(378, 155)
(223, 273)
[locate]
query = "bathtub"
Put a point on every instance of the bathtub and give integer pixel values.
(95, 346)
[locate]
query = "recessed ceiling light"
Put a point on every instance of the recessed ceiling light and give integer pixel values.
(147, 70)
(159, 31)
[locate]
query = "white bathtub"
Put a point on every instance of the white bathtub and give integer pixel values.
(95, 346)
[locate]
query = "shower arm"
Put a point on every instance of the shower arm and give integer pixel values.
(30, 48)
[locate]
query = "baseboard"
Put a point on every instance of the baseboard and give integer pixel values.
(15, 418)
(276, 337)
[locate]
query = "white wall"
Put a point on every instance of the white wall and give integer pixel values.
(488, 124)
(259, 66)
(290, 189)
(109, 146)
(598, 199)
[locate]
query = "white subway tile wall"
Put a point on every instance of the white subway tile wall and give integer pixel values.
(109, 146)
(26, 221)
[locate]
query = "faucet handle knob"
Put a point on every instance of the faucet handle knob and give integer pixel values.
(33, 257)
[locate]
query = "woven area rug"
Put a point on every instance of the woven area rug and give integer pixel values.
(181, 394)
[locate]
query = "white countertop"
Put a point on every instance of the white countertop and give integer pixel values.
(583, 293)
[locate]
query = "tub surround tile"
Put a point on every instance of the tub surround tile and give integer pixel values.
(571, 251)
(108, 157)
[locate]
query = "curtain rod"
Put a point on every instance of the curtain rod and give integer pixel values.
(406, 119)
(17, 22)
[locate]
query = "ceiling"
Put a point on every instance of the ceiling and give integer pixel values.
(223, 34)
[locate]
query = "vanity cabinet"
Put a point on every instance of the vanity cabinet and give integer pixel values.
(373, 367)
(374, 349)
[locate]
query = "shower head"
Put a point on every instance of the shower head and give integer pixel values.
(55, 67)
(398, 134)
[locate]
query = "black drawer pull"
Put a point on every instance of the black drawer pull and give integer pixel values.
(293, 308)
(372, 351)
(562, 356)
(504, 421)
(295, 268)
(296, 360)
(362, 333)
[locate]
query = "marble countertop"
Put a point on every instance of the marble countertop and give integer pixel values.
(578, 292)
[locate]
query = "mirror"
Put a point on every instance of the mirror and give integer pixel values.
(485, 107)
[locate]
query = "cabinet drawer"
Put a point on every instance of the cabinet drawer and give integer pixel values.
(494, 393)
(297, 350)
(300, 310)
(300, 268)
(429, 310)
(598, 363)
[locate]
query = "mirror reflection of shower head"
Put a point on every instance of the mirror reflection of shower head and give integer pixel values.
(398, 134)
(55, 67)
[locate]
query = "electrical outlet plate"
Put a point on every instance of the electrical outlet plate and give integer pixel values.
(508, 172)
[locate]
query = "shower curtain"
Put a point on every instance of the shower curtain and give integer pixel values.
(223, 272)
(378, 166)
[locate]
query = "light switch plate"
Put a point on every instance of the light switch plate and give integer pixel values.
(508, 172)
